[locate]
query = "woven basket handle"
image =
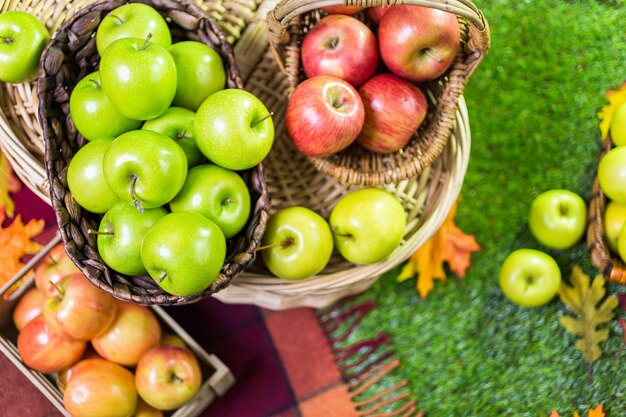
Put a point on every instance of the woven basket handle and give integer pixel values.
(282, 34)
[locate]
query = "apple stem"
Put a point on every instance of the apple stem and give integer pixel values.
(161, 277)
(334, 230)
(136, 201)
(145, 43)
(95, 82)
(430, 53)
(95, 232)
(7, 39)
(228, 201)
(55, 285)
(284, 244)
(182, 135)
(262, 119)
(119, 19)
(175, 378)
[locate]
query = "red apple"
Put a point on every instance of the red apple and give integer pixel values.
(63, 376)
(347, 10)
(146, 410)
(340, 46)
(134, 331)
(99, 388)
(324, 115)
(45, 351)
(376, 13)
(81, 310)
(394, 109)
(28, 307)
(168, 376)
(52, 268)
(418, 43)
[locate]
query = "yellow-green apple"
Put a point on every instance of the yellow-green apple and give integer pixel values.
(418, 43)
(613, 222)
(621, 245)
(394, 109)
(93, 113)
(138, 77)
(134, 331)
(146, 410)
(557, 218)
(200, 73)
(22, 40)
(168, 376)
(52, 268)
(340, 46)
(133, 20)
(177, 124)
(367, 225)
(612, 174)
(529, 277)
(172, 339)
(347, 10)
(297, 243)
(184, 252)
(85, 177)
(45, 351)
(217, 193)
(29, 306)
(618, 125)
(324, 115)
(121, 232)
(376, 13)
(234, 129)
(81, 310)
(145, 168)
(100, 388)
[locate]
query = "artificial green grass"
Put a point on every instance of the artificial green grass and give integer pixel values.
(466, 350)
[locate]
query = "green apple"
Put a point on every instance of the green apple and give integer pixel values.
(133, 20)
(184, 253)
(234, 129)
(618, 125)
(218, 194)
(145, 168)
(612, 174)
(297, 243)
(177, 124)
(557, 218)
(22, 40)
(85, 177)
(621, 245)
(613, 222)
(93, 114)
(529, 277)
(138, 77)
(121, 233)
(367, 225)
(200, 73)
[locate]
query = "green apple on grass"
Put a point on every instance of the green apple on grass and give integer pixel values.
(529, 277)
(200, 73)
(558, 218)
(138, 77)
(218, 194)
(184, 253)
(22, 40)
(145, 168)
(367, 225)
(85, 177)
(614, 220)
(177, 124)
(297, 243)
(93, 113)
(234, 129)
(612, 174)
(121, 233)
(134, 20)
(618, 125)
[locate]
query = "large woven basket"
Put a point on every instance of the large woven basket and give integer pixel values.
(292, 19)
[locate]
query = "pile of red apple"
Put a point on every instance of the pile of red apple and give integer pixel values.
(364, 86)
(110, 357)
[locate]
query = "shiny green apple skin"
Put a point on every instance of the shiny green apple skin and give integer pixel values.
(618, 125)
(200, 72)
(612, 174)
(22, 40)
(368, 225)
(558, 218)
(85, 177)
(184, 253)
(613, 222)
(217, 193)
(93, 113)
(145, 168)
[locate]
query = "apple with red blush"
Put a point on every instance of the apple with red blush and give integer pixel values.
(376, 13)
(338, 9)
(29, 306)
(52, 268)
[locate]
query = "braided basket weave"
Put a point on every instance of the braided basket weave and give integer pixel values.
(292, 19)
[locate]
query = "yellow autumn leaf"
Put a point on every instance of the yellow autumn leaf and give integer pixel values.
(8, 184)
(615, 97)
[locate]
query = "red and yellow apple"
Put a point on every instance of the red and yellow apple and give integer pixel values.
(347, 10)
(28, 307)
(52, 268)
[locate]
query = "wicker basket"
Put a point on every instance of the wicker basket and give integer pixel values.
(291, 19)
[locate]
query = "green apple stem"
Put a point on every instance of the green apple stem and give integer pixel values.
(284, 244)
(161, 277)
(175, 378)
(119, 19)
(95, 232)
(334, 230)
(55, 285)
(136, 202)
(145, 43)
(6, 39)
(228, 201)
(95, 82)
(430, 53)
(182, 135)
(267, 116)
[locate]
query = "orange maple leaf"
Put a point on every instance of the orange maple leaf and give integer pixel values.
(8, 184)
(15, 241)
(554, 414)
(450, 244)
(593, 412)
(616, 97)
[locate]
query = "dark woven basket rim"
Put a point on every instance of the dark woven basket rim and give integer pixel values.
(355, 165)
(74, 43)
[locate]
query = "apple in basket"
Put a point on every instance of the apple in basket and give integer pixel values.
(347, 10)
(612, 174)
(614, 220)
(418, 43)
(529, 277)
(22, 40)
(52, 268)
(376, 13)
(146, 410)
(340, 46)
(324, 115)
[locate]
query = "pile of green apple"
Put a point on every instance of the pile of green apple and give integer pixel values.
(165, 146)
(110, 358)
(365, 226)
